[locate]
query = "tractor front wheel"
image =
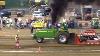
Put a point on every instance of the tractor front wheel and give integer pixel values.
(62, 38)
(39, 40)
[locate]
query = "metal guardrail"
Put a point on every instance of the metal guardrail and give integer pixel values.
(14, 10)
(84, 25)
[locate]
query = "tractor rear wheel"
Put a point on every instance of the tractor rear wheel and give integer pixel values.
(39, 40)
(62, 38)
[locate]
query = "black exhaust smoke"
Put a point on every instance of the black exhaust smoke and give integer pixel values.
(59, 6)
(58, 9)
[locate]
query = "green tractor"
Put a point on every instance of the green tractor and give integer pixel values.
(61, 34)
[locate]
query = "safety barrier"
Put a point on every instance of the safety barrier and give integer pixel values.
(84, 24)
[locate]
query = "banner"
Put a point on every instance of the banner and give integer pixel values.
(2, 2)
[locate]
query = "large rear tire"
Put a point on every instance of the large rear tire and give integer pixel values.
(62, 38)
(39, 40)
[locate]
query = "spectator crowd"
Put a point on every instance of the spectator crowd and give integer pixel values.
(17, 23)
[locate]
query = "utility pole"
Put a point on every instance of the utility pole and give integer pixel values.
(1, 25)
(81, 30)
(82, 12)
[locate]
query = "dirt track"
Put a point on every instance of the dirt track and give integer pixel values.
(53, 51)
(30, 48)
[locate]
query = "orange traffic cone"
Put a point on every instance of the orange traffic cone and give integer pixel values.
(38, 50)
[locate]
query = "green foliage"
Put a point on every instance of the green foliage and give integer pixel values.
(37, 4)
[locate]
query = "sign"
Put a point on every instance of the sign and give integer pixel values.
(88, 6)
(38, 24)
(89, 33)
(37, 0)
(2, 2)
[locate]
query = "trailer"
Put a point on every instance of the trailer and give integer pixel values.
(89, 36)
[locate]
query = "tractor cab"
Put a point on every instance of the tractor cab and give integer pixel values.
(62, 26)
(89, 37)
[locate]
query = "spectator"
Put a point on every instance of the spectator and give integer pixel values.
(15, 21)
(1, 25)
(19, 19)
(29, 23)
(19, 22)
(24, 24)
(10, 22)
(4, 21)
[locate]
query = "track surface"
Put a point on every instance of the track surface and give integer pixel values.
(50, 48)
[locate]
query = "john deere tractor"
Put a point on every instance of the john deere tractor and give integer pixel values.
(59, 32)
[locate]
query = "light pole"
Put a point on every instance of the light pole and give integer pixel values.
(1, 25)
(82, 12)
(21, 3)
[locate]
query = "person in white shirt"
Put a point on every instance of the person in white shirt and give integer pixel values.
(17, 41)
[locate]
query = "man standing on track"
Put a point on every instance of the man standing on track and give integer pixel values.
(17, 41)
